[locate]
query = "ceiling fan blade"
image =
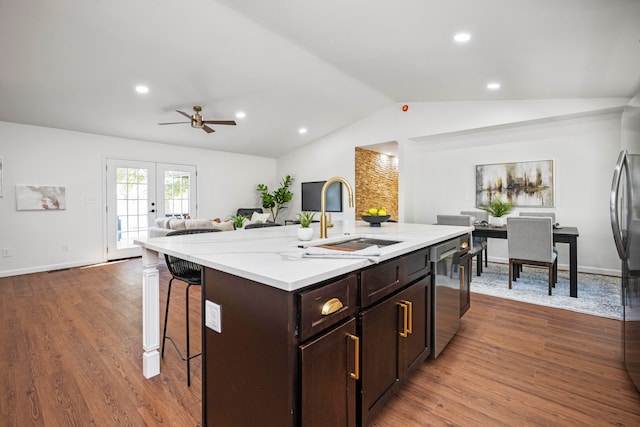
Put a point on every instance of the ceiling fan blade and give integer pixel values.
(207, 129)
(188, 116)
(173, 123)
(220, 122)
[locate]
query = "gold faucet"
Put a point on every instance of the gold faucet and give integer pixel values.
(323, 202)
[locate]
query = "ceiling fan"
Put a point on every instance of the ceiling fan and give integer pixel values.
(197, 122)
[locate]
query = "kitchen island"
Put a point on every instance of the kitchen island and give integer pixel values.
(260, 294)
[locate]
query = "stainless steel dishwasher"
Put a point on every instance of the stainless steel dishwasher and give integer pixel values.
(447, 273)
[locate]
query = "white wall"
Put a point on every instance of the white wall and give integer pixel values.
(631, 129)
(582, 149)
(585, 150)
(44, 156)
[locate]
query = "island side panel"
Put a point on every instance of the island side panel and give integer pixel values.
(150, 313)
(250, 367)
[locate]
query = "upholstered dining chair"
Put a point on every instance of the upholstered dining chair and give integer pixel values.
(464, 220)
(551, 215)
(530, 242)
(191, 274)
(476, 218)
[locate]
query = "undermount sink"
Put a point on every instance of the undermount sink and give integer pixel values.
(357, 243)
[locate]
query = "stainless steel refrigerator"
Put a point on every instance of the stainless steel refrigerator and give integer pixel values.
(625, 223)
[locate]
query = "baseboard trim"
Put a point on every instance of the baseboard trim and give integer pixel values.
(49, 268)
(565, 267)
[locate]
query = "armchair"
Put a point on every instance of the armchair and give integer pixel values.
(261, 225)
(247, 212)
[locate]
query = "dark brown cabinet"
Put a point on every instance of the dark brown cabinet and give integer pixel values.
(329, 374)
(327, 354)
(329, 362)
(395, 336)
(415, 347)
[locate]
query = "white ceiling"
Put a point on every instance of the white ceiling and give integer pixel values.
(73, 64)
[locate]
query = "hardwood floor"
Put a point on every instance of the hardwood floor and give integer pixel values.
(71, 356)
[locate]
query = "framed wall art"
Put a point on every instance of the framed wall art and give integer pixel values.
(529, 184)
(40, 198)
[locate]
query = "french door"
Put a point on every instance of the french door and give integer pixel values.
(140, 192)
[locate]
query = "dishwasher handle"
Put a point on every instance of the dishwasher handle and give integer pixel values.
(448, 254)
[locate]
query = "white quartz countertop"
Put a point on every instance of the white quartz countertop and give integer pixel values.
(273, 255)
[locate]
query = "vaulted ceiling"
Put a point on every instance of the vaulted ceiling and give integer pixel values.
(291, 64)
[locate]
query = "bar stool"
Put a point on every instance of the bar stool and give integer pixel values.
(191, 274)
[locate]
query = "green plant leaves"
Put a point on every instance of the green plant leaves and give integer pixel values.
(497, 208)
(276, 200)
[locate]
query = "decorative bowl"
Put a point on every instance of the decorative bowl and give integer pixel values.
(375, 220)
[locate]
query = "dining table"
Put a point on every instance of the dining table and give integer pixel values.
(562, 234)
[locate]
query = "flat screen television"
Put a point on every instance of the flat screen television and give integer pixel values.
(311, 196)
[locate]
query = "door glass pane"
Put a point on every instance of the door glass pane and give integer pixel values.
(176, 192)
(131, 205)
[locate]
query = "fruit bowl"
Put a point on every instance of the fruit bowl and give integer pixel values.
(375, 220)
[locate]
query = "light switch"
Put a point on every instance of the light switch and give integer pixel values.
(213, 318)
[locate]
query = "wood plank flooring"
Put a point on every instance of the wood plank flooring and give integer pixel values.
(71, 356)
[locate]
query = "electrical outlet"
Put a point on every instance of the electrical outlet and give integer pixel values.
(213, 318)
(6, 252)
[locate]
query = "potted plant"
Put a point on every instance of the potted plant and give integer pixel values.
(305, 232)
(238, 220)
(276, 200)
(497, 209)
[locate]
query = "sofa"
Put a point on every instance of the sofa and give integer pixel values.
(254, 217)
(162, 226)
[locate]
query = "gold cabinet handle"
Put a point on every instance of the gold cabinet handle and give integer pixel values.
(356, 357)
(405, 317)
(462, 276)
(410, 322)
(331, 306)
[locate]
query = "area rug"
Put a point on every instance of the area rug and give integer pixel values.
(597, 295)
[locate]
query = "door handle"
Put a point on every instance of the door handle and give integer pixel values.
(405, 319)
(462, 276)
(410, 322)
(331, 306)
(622, 168)
(356, 357)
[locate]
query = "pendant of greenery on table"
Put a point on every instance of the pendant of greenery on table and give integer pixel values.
(277, 199)
(497, 208)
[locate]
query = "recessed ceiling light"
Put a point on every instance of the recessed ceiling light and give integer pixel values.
(493, 86)
(142, 89)
(462, 37)
(302, 130)
(241, 115)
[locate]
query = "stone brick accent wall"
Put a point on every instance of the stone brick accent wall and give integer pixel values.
(376, 182)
